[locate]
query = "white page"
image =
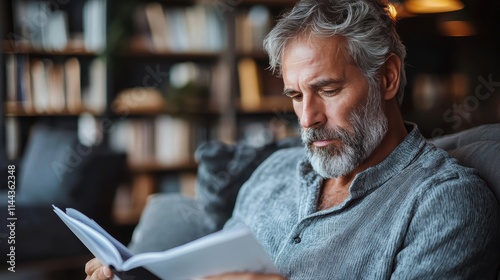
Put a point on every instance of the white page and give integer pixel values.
(217, 253)
(99, 246)
(122, 249)
(220, 252)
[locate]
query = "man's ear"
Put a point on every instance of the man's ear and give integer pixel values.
(390, 76)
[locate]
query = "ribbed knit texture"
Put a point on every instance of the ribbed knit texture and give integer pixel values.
(416, 215)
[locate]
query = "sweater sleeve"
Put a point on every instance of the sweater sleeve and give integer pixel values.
(454, 234)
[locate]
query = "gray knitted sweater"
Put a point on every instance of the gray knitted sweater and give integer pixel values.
(416, 215)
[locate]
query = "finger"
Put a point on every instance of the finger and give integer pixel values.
(92, 265)
(102, 273)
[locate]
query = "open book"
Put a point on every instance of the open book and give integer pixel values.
(217, 253)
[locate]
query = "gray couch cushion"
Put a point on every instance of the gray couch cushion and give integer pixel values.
(43, 176)
(479, 148)
(170, 220)
(487, 132)
(485, 157)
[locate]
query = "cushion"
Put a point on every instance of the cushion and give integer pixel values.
(169, 220)
(479, 148)
(44, 173)
(485, 157)
(487, 132)
(222, 170)
(58, 169)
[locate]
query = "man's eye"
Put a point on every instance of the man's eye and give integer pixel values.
(296, 97)
(328, 92)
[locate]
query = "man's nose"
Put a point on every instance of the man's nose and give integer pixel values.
(312, 112)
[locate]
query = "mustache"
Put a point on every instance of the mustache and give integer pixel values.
(310, 135)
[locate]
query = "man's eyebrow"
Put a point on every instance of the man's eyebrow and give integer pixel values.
(315, 85)
(325, 82)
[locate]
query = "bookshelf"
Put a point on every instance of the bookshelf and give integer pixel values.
(52, 60)
(164, 76)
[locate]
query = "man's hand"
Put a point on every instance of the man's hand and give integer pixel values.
(245, 276)
(96, 271)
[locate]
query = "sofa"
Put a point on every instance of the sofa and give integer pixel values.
(57, 169)
(170, 220)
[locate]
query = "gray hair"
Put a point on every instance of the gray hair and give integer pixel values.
(367, 26)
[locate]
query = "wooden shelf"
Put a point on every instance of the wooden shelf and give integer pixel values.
(18, 47)
(154, 167)
(139, 48)
(17, 109)
(255, 54)
(171, 55)
(269, 105)
(165, 111)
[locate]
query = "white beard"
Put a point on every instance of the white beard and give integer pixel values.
(369, 126)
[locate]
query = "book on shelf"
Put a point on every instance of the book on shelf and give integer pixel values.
(31, 22)
(250, 84)
(55, 90)
(162, 140)
(22, 32)
(35, 23)
(43, 85)
(11, 77)
(158, 25)
(18, 82)
(218, 253)
(94, 94)
(260, 89)
(25, 89)
(194, 17)
(178, 30)
(94, 25)
(73, 85)
(181, 29)
(251, 28)
(39, 85)
(55, 35)
(220, 87)
(172, 140)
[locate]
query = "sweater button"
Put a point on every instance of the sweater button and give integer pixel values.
(297, 240)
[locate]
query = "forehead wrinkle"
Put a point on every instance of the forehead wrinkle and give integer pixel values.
(313, 47)
(339, 48)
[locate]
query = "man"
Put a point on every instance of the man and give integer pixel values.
(368, 198)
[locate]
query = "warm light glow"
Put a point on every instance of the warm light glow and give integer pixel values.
(456, 28)
(433, 6)
(400, 11)
(392, 11)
